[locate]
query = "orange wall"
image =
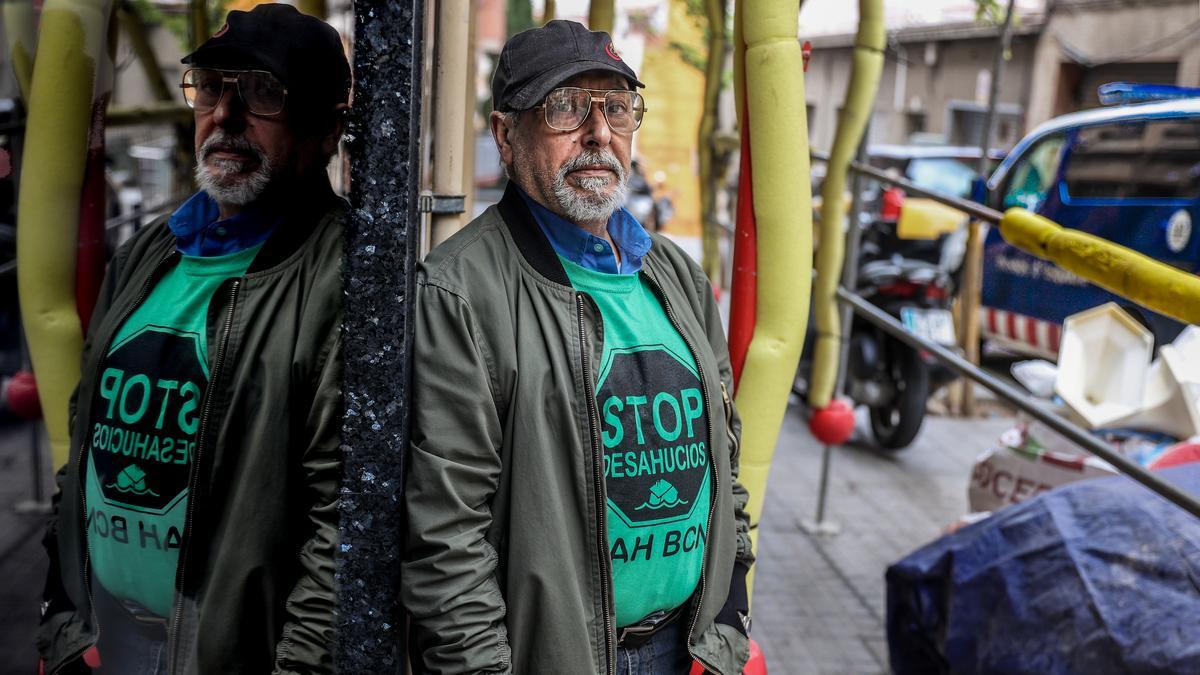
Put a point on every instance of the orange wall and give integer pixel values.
(491, 21)
(666, 141)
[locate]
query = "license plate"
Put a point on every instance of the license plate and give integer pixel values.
(935, 325)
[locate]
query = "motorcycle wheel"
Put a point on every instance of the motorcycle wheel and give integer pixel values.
(896, 425)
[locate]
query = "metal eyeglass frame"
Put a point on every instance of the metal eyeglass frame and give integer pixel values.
(595, 99)
(185, 85)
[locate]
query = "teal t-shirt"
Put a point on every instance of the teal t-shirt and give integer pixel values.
(145, 418)
(654, 431)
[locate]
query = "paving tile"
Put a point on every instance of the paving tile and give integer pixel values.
(819, 601)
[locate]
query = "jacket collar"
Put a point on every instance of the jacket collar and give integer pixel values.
(529, 238)
(532, 242)
(586, 249)
(300, 217)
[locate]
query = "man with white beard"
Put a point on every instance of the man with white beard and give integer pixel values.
(572, 498)
(196, 524)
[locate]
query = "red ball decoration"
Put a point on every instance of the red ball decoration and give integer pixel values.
(22, 396)
(833, 424)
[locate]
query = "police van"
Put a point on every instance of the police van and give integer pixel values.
(1128, 173)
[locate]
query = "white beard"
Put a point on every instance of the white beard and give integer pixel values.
(226, 185)
(589, 202)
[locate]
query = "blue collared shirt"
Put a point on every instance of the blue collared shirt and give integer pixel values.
(586, 249)
(200, 231)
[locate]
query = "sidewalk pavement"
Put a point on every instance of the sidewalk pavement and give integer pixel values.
(22, 560)
(819, 601)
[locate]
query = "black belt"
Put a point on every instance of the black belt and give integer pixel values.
(638, 634)
(131, 615)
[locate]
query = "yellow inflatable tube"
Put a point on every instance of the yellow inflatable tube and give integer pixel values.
(860, 99)
(1127, 273)
(774, 77)
(70, 46)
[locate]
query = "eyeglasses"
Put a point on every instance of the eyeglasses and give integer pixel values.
(567, 108)
(262, 92)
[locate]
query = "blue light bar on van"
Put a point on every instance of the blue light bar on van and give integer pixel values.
(1115, 93)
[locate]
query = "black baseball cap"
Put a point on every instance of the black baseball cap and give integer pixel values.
(537, 60)
(304, 52)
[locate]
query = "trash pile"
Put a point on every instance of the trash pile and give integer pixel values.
(1092, 576)
(1097, 576)
(1107, 381)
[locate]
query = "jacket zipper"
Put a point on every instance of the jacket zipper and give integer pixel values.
(733, 441)
(80, 469)
(601, 498)
(712, 497)
(206, 411)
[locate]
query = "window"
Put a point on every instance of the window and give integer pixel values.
(1149, 159)
(1031, 178)
(942, 174)
(914, 123)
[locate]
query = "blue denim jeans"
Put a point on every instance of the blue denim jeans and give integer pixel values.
(128, 646)
(665, 654)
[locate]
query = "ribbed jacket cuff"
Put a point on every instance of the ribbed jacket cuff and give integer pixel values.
(737, 604)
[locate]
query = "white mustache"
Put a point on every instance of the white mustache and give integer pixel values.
(603, 158)
(221, 178)
(222, 141)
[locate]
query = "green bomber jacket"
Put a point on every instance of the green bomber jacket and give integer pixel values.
(507, 566)
(254, 586)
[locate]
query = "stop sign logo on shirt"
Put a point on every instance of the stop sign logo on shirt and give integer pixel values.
(654, 430)
(145, 416)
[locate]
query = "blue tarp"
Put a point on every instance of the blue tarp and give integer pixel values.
(1100, 576)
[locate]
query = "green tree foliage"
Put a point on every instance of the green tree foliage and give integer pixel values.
(519, 16)
(991, 12)
(177, 22)
(699, 15)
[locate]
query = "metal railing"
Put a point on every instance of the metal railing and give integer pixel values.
(974, 209)
(1028, 404)
(113, 223)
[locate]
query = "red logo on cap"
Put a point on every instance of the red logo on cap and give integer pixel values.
(221, 32)
(612, 51)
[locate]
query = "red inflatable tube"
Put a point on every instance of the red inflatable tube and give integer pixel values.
(743, 296)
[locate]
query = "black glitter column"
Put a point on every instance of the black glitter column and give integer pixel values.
(381, 242)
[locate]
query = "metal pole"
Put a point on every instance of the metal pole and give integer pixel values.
(450, 112)
(849, 280)
(1013, 395)
(972, 277)
(989, 117)
(39, 503)
(471, 103)
(377, 329)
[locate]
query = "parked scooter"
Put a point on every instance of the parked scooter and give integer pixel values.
(913, 281)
